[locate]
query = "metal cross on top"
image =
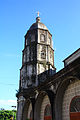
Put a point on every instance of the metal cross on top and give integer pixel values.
(38, 13)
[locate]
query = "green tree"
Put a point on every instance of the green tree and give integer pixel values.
(7, 114)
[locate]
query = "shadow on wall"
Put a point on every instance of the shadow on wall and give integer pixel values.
(45, 75)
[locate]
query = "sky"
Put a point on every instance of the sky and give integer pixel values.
(62, 18)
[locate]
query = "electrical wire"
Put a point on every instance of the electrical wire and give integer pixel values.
(7, 84)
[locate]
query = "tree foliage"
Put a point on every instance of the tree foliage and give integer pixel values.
(7, 114)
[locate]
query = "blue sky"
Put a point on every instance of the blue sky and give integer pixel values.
(62, 18)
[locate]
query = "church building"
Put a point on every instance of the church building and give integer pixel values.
(45, 94)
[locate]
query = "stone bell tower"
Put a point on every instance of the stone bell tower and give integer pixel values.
(37, 56)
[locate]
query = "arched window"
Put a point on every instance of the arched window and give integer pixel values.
(75, 108)
(47, 112)
(42, 37)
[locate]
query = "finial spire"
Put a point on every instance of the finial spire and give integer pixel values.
(38, 13)
(38, 18)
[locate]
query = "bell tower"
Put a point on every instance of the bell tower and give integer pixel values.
(37, 55)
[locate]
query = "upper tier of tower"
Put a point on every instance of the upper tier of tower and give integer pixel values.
(38, 33)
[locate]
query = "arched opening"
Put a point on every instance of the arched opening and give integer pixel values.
(47, 112)
(41, 108)
(75, 108)
(27, 110)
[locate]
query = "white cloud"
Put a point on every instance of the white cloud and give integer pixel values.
(6, 104)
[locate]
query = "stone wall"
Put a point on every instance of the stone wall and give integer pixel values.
(72, 90)
(43, 106)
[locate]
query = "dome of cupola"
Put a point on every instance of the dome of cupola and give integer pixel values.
(38, 25)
